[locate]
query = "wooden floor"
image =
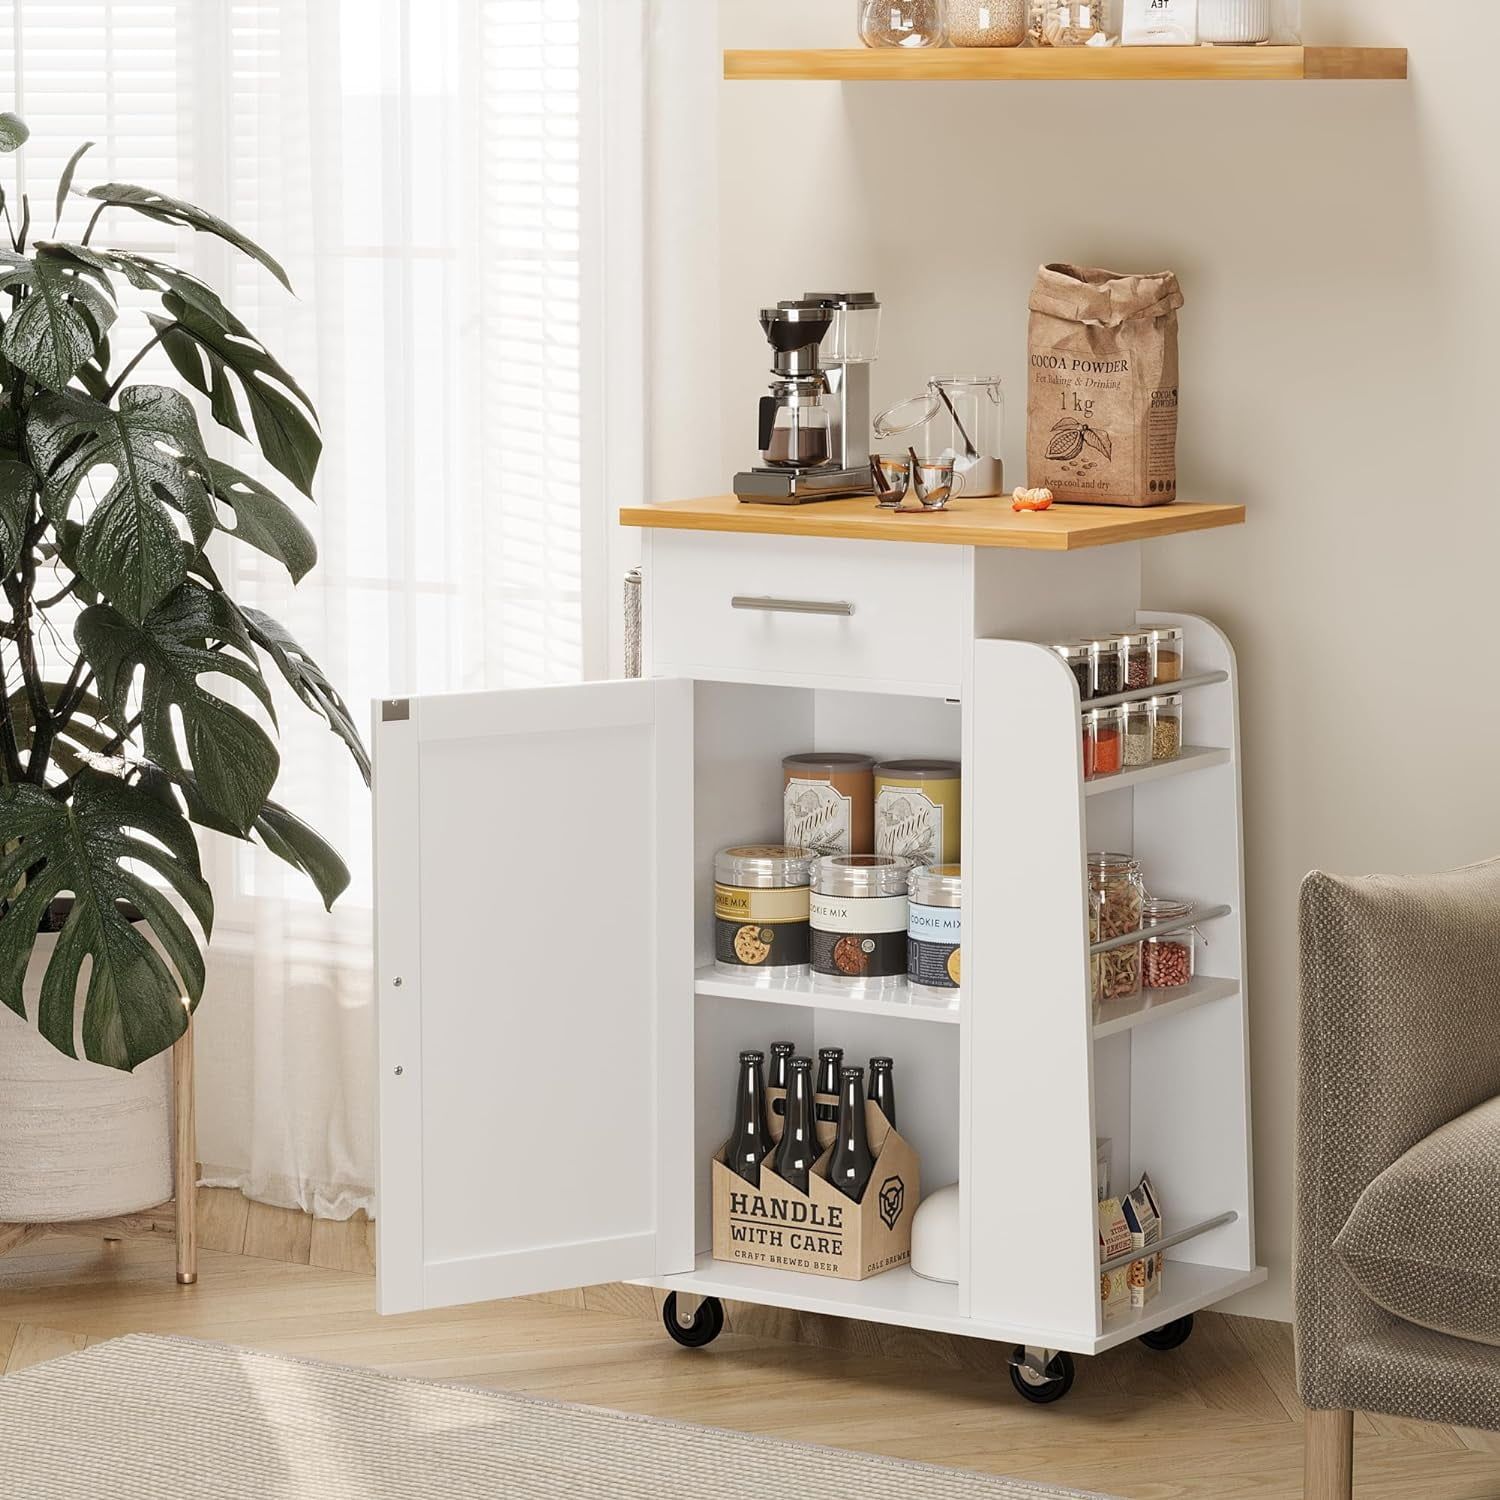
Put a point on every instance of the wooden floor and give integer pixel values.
(1217, 1418)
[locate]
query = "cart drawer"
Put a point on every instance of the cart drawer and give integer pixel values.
(872, 616)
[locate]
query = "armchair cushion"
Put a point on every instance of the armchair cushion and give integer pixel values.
(1423, 1240)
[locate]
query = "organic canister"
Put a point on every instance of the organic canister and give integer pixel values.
(761, 909)
(859, 920)
(917, 810)
(828, 802)
(934, 934)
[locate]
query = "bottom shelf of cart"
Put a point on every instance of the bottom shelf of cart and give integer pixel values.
(907, 1300)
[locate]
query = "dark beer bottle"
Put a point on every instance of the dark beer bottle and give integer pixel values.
(850, 1165)
(799, 1141)
(781, 1055)
(882, 1090)
(830, 1064)
(751, 1139)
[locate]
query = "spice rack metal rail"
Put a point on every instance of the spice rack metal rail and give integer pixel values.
(603, 975)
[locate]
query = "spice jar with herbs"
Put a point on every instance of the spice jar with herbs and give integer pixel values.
(1166, 959)
(1166, 727)
(902, 23)
(1137, 735)
(1166, 654)
(1116, 879)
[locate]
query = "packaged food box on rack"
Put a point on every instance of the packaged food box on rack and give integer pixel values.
(829, 1200)
(1125, 1224)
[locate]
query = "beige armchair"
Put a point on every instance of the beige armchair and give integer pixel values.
(1398, 1163)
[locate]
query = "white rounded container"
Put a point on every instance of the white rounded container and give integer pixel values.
(1234, 23)
(80, 1141)
(934, 1237)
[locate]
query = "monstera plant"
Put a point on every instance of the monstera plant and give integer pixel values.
(122, 652)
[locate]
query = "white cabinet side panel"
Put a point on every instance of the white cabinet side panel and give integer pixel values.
(1030, 1165)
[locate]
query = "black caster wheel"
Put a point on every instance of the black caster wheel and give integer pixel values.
(707, 1324)
(1170, 1335)
(1043, 1390)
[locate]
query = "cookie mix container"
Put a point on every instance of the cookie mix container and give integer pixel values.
(828, 802)
(918, 810)
(934, 935)
(858, 909)
(761, 910)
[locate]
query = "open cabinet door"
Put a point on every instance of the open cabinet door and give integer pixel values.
(534, 955)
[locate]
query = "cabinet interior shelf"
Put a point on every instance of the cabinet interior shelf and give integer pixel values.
(1192, 758)
(806, 992)
(1151, 1006)
(1098, 64)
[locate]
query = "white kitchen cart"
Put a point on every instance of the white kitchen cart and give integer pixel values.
(557, 1054)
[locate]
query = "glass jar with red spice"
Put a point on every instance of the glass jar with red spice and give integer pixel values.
(1109, 741)
(1090, 769)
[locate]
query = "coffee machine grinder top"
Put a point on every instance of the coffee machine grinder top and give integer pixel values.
(815, 424)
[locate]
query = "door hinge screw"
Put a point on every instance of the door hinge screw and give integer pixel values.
(399, 1072)
(397, 982)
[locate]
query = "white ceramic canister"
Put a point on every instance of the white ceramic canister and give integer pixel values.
(1234, 23)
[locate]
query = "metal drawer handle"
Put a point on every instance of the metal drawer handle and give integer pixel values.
(792, 606)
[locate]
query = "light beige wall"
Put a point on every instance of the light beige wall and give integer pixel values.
(1338, 245)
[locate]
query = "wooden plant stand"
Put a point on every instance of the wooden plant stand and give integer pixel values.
(178, 1217)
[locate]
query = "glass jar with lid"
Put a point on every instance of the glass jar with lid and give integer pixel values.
(987, 23)
(1109, 741)
(1116, 879)
(1166, 654)
(1075, 655)
(1107, 665)
(960, 419)
(859, 916)
(1068, 23)
(1096, 960)
(1166, 727)
(1138, 745)
(1167, 958)
(1135, 645)
(935, 935)
(903, 23)
(761, 911)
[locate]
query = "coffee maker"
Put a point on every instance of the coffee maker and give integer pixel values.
(815, 424)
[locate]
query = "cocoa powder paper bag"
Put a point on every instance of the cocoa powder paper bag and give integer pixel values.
(1101, 406)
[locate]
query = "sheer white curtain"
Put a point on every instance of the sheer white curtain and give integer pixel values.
(428, 173)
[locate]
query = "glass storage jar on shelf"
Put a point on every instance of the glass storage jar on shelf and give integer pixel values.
(987, 23)
(1116, 878)
(958, 419)
(1068, 23)
(1136, 647)
(1075, 655)
(1107, 665)
(1109, 741)
(1138, 745)
(1166, 654)
(1096, 960)
(903, 23)
(1166, 727)
(1167, 959)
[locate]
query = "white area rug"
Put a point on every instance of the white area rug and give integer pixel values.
(145, 1418)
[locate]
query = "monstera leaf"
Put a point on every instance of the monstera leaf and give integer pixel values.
(17, 486)
(174, 211)
(263, 520)
(129, 548)
(206, 352)
(307, 681)
(230, 755)
(92, 847)
(281, 831)
(14, 132)
(58, 327)
(82, 736)
(156, 276)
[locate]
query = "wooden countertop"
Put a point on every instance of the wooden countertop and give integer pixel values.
(966, 523)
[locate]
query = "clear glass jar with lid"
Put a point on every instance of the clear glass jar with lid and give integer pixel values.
(1068, 23)
(1116, 879)
(935, 935)
(1166, 727)
(903, 23)
(960, 419)
(859, 916)
(1137, 736)
(1135, 646)
(1107, 670)
(1166, 654)
(987, 23)
(1075, 655)
(761, 911)
(1167, 959)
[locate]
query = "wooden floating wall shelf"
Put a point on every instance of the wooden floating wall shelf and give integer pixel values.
(1099, 64)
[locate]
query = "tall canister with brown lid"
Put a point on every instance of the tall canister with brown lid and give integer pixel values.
(828, 802)
(918, 809)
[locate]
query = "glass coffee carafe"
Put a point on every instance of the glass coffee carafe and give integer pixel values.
(795, 428)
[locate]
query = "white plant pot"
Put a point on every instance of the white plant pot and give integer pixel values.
(77, 1141)
(1234, 23)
